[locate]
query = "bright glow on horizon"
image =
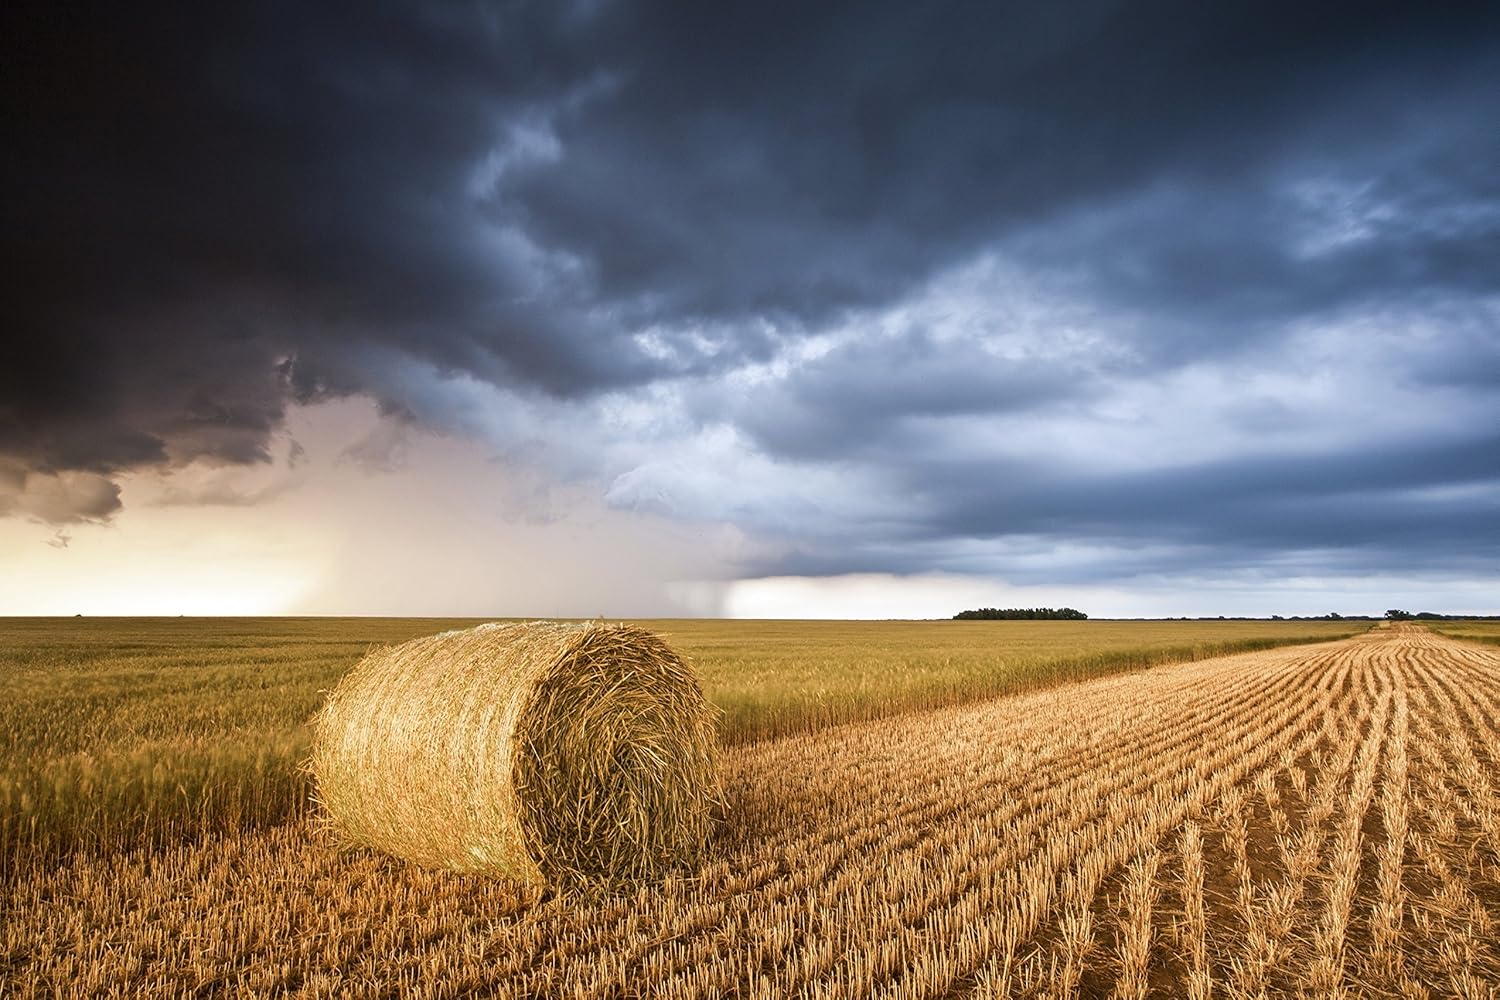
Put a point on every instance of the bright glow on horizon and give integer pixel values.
(351, 527)
(939, 595)
(107, 574)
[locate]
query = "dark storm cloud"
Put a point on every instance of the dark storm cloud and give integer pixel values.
(214, 212)
(207, 209)
(765, 163)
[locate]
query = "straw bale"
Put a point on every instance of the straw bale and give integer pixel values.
(539, 751)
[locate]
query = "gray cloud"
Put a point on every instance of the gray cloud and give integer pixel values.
(1359, 509)
(1340, 497)
(70, 497)
(866, 398)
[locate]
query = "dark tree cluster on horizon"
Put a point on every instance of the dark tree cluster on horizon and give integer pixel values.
(1021, 614)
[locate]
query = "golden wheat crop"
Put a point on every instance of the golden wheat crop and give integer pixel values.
(1321, 822)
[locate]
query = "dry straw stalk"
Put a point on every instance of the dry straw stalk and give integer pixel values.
(537, 751)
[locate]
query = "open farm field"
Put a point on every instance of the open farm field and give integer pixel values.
(1315, 821)
(115, 732)
(1485, 630)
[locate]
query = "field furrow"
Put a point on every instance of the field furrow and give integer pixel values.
(972, 816)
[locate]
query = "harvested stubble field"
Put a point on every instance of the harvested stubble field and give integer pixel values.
(1316, 821)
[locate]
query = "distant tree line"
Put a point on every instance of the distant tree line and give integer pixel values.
(1021, 614)
(1396, 614)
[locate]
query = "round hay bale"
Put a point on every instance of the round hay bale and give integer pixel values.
(535, 751)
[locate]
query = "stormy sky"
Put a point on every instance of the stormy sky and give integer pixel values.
(785, 309)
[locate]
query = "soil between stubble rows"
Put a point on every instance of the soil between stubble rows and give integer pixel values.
(1307, 820)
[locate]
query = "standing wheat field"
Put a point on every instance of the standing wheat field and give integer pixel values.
(1316, 821)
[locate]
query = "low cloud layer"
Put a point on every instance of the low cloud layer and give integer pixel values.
(1051, 295)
